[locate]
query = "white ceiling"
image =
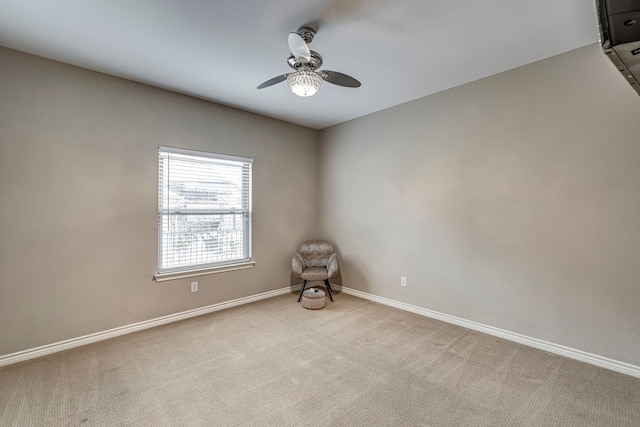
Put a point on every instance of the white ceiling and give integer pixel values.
(222, 50)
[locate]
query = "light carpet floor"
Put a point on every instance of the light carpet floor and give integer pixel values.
(273, 363)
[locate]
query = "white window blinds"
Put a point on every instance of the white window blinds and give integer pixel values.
(204, 210)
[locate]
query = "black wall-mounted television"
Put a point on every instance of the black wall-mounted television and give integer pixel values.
(620, 36)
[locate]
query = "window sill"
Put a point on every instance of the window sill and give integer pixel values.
(163, 277)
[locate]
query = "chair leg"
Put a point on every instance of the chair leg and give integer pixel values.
(326, 282)
(302, 290)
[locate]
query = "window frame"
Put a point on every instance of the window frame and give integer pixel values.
(246, 163)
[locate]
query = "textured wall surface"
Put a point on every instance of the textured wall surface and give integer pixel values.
(78, 189)
(513, 201)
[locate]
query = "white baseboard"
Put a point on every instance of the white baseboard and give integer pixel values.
(135, 327)
(604, 362)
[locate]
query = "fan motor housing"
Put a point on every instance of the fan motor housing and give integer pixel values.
(300, 64)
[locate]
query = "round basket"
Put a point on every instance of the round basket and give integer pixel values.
(313, 299)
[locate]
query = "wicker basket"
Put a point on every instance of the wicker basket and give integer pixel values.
(313, 299)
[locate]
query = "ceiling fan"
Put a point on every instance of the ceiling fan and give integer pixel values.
(307, 79)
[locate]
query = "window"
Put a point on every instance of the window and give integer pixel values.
(204, 212)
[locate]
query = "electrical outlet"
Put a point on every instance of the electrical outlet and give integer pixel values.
(194, 286)
(403, 281)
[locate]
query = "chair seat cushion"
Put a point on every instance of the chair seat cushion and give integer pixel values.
(314, 273)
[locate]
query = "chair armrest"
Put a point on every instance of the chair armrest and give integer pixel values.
(332, 265)
(297, 264)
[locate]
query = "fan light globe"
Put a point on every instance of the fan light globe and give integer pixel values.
(304, 83)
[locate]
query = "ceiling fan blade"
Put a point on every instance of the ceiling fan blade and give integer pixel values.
(299, 47)
(339, 79)
(273, 81)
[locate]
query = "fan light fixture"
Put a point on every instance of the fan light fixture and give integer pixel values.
(304, 83)
(306, 79)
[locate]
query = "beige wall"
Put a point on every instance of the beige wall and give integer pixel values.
(78, 190)
(513, 201)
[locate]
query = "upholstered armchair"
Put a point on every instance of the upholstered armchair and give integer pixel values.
(315, 261)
